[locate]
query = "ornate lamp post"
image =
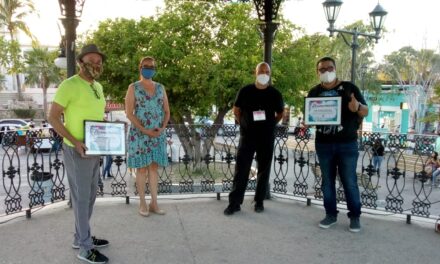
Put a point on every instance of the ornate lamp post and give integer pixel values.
(377, 16)
(71, 10)
(267, 11)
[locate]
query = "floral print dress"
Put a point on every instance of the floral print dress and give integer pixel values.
(142, 149)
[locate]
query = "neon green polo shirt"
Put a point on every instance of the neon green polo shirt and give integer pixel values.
(80, 103)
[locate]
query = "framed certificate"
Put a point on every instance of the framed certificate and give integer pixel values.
(104, 138)
(322, 110)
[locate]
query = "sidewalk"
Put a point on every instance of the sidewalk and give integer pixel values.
(196, 231)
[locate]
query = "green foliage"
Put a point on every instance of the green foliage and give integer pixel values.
(294, 70)
(12, 14)
(10, 56)
(40, 69)
(408, 65)
(24, 113)
(205, 53)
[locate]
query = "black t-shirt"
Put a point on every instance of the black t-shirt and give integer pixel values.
(347, 131)
(378, 150)
(250, 99)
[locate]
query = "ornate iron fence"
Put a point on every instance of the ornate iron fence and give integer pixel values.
(202, 160)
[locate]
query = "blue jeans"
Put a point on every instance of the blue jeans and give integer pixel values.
(106, 166)
(341, 158)
(377, 161)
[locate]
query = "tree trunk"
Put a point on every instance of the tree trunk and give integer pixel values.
(43, 85)
(197, 143)
(20, 96)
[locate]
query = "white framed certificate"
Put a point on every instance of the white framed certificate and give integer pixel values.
(104, 138)
(322, 110)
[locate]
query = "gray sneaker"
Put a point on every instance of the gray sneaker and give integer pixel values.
(328, 221)
(355, 225)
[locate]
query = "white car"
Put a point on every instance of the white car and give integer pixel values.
(11, 124)
(8, 124)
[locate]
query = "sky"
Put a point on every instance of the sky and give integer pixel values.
(409, 23)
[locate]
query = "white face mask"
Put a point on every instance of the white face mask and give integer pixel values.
(263, 79)
(327, 77)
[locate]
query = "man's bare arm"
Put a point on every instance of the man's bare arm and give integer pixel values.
(55, 120)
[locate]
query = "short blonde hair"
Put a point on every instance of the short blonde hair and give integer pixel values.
(147, 58)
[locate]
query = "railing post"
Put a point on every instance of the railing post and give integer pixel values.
(28, 214)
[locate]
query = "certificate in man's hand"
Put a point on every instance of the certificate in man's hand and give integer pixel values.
(104, 138)
(322, 110)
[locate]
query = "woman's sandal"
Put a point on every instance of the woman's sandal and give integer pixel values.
(158, 211)
(144, 213)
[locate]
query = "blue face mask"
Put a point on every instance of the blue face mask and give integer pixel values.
(148, 73)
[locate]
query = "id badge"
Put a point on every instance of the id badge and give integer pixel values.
(259, 115)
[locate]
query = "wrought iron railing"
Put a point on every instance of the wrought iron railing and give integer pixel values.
(202, 160)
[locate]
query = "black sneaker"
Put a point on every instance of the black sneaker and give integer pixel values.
(98, 243)
(328, 221)
(231, 209)
(355, 225)
(93, 256)
(259, 207)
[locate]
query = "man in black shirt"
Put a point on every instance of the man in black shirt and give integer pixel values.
(336, 145)
(257, 108)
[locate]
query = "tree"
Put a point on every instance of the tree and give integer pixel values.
(205, 53)
(12, 13)
(416, 73)
(294, 72)
(40, 70)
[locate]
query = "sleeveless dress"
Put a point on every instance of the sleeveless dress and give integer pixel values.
(142, 149)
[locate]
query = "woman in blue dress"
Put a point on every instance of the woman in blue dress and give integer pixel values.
(146, 106)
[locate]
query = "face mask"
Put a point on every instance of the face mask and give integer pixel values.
(148, 73)
(327, 77)
(263, 79)
(92, 70)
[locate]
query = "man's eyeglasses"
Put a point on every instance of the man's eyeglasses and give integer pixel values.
(324, 69)
(95, 91)
(148, 67)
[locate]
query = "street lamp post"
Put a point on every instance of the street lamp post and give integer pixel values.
(267, 11)
(71, 10)
(377, 16)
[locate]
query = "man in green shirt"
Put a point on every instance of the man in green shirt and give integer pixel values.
(81, 98)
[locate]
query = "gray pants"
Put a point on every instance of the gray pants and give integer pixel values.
(83, 175)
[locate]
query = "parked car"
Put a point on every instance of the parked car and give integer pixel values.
(12, 124)
(8, 124)
(205, 121)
